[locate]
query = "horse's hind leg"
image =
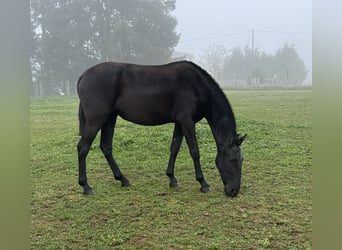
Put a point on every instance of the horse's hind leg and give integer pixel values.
(83, 147)
(175, 145)
(107, 132)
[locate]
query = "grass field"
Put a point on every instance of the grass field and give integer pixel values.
(272, 211)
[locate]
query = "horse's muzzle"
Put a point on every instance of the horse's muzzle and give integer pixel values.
(231, 191)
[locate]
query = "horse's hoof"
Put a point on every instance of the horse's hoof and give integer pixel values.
(205, 189)
(88, 192)
(125, 184)
(174, 185)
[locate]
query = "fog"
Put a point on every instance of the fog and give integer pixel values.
(241, 43)
(230, 23)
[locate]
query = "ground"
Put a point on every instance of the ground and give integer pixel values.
(273, 209)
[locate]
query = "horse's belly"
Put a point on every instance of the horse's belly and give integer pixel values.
(146, 112)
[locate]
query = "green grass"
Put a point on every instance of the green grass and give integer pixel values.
(272, 211)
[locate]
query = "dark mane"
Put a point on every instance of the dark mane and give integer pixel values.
(205, 74)
(218, 94)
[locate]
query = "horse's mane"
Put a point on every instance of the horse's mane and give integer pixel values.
(218, 93)
(214, 86)
(205, 74)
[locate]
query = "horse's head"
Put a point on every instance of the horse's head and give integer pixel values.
(229, 163)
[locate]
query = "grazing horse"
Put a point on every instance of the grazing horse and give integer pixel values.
(181, 93)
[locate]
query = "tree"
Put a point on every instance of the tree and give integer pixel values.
(69, 36)
(291, 68)
(60, 34)
(234, 67)
(252, 67)
(244, 66)
(213, 58)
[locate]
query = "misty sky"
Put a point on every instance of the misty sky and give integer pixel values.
(225, 22)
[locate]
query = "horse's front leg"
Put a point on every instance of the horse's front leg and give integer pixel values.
(188, 128)
(175, 145)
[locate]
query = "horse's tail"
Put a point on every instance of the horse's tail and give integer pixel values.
(82, 119)
(81, 116)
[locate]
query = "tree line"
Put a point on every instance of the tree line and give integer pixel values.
(71, 35)
(250, 67)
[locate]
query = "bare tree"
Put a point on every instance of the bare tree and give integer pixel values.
(213, 59)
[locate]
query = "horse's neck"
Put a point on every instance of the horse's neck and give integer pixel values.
(222, 121)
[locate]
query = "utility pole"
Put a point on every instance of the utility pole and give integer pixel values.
(253, 40)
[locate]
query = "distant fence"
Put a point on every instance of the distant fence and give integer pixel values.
(265, 86)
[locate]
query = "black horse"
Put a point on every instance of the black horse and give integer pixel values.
(181, 93)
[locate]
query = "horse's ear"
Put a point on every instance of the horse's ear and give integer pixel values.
(240, 140)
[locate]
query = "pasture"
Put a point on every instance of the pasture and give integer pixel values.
(272, 211)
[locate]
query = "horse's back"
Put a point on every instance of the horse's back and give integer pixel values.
(147, 95)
